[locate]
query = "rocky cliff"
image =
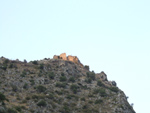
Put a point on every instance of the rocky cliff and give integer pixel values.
(58, 85)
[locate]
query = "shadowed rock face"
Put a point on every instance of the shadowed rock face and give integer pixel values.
(68, 58)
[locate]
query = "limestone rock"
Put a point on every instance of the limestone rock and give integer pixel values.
(101, 76)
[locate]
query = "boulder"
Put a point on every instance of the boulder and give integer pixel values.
(114, 83)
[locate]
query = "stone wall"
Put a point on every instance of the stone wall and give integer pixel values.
(68, 58)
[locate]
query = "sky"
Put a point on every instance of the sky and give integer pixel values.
(108, 35)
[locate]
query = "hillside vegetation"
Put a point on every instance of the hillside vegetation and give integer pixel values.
(57, 86)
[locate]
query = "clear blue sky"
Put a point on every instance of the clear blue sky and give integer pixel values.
(109, 35)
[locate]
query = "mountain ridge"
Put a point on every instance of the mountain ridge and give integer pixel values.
(58, 85)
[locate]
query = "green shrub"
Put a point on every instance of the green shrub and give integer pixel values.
(35, 62)
(62, 74)
(41, 88)
(31, 110)
(84, 87)
(69, 97)
(88, 110)
(4, 67)
(90, 95)
(25, 86)
(2, 97)
(59, 92)
(98, 101)
(18, 108)
(96, 91)
(32, 82)
(74, 88)
(23, 74)
(114, 89)
(65, 109)
(27, 98)
(51, 75)
(99, 83)
(72, 96)
(51, 96)
(6, 61)
(59, 100)
(85, 107)
(2, 110)
(88, 80)
(10, 66)
(14, 88)
(41, 66)
(72, 79)
(102, 92)
(53, 105)
(83, 99)
(86, 67)
(23, 107)
(61, 85)
(15, 66)
(90, 101)
(40, 74)
(42, 103)
(63, 78)
(73, 104)
(35, 97)
(91, 75)
(10, 110)
(24, 101)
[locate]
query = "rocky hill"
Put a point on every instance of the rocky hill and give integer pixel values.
(58, 85)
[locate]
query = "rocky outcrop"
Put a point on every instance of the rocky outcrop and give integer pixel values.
(68, 58)
(101, 76)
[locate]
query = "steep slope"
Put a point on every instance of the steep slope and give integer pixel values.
(57, 86)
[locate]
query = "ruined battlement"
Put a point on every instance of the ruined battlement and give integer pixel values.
(68, 58)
